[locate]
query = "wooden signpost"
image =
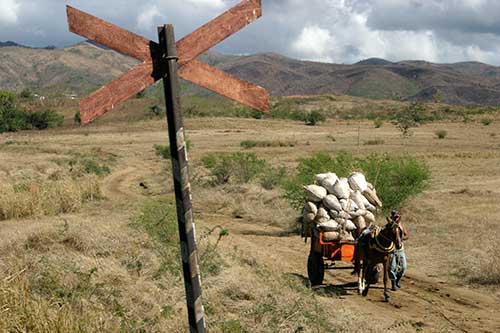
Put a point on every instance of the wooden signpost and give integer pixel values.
(167, 60)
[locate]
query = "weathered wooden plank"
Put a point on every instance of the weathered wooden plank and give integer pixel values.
(226, 84)
(108, 34)
(117, 91)
(218, 29)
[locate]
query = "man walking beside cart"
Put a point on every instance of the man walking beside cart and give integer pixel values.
(397, 266)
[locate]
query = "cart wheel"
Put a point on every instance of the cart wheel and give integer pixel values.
(315, 268)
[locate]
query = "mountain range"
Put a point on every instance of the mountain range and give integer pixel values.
(84, 67)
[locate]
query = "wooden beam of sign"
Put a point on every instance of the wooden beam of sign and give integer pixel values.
(188, 49)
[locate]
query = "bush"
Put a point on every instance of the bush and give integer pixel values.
(412, 116)
(77, 118)
(314, 117)
(45, 119)
(273, 177)
(13, 119)
(164, 150)
(486, 121)
(374, 142)
(239, 167)
(155, 111)
(266, 143)
(441, 134)
(395, 178)
(378, 123)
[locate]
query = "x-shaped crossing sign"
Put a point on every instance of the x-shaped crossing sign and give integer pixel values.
(188, 48)
(166, 60)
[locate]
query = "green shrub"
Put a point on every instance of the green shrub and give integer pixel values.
(77, 118)
(239, 167)
(395, 178)
(45, 119)
(164, 150)
(412, 116)
(486, 121)
(155, 111)
(378, 123)
(272, 177)
(441, 134)
(314, 117)
(248, 144)
(13, 119)
(266, 143)
(91, 166)
(374, 142)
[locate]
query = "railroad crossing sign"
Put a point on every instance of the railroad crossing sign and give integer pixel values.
(166, 60)
(149, 52)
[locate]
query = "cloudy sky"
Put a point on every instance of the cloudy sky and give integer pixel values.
(340, 31)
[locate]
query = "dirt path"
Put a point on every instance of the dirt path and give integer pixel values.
(423, 304)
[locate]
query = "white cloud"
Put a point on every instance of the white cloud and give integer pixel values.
(314, 43)
(207, 3)
(9, 10)
(146, 19)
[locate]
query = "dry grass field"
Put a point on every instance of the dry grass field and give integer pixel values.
(88, 242)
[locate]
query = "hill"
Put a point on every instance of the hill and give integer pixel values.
(85, 66)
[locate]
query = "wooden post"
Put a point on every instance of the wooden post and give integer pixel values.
(178, 153)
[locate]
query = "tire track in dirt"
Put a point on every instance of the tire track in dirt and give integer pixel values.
(423, 304)
(118, 185)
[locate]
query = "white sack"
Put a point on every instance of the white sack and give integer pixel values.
(329, 226)
(311, 207)
(357, 197)
(315, 193)
(331, 236)
(308, 217)
(329, 182)
(331, 202)
(360, 223)
(350, 226)
(357, 181)
(341, 188)
(369, 218)
(323, 213)
(334, 213)
(359, 212)
(372, 197)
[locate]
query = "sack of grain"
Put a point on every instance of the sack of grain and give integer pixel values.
(315, 193)
(360, 223)
(372, 197)
(357, 197)
(346, 236)
(350, 226)
(341, 188)
(322, 213)
(334, 213)
(322, 176)
(357, 181)
(359, 212)
(344, 215)
(308, 217)
(329, 183)
(331, 202)
(329, 226)
(321, 220)
(368, 205)
(311, 207)
(369, 218)
(331, 236)
(348, 205)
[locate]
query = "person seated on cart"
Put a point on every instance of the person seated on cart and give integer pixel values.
(397, 266)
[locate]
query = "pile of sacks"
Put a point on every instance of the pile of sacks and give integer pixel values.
(340, 207)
